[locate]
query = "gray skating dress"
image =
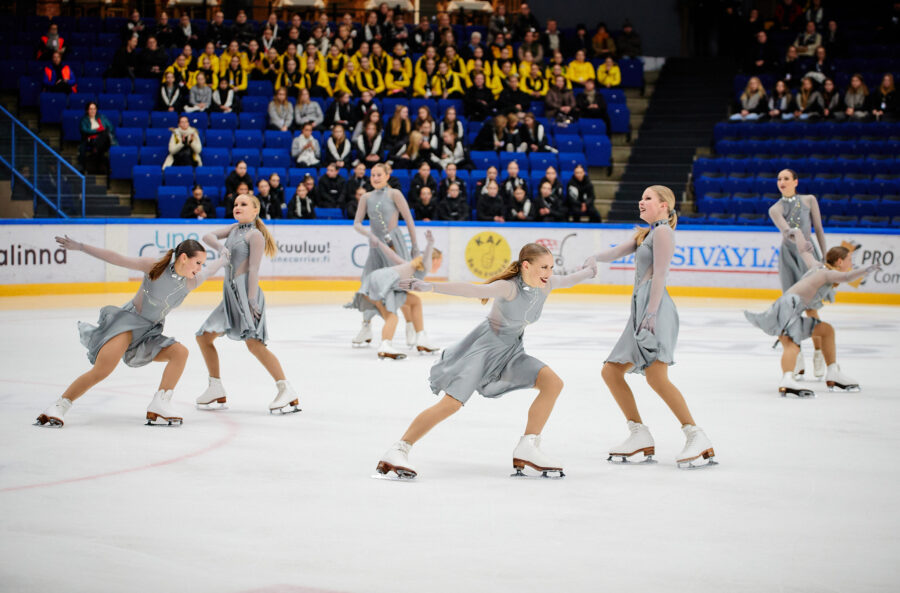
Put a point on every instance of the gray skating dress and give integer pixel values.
(381, 285)
(382, 213)
(641, 347)
(241, 293)
(790, 265)
(785, 316)
(492, 359)
(144, 316)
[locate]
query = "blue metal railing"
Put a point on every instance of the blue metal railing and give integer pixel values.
(41, 169)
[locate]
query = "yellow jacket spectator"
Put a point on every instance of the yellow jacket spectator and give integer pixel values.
(225, 58)
(212, 75)
(397, 83)
(580, 69)
(535, 84)
(315, 80)
(369, 79)
(334, 64)
(555, 71)
(457, 65)
(422, 84)
(235, 75)
(253, 57)
(430, 54)
(210, 52)
(312, 51)
(447, 84)
(347, 80)
(381, 60)
(362, 52)
(180, 70)
(291, 79)
(500, 75)
(399, 55)
(609, 74)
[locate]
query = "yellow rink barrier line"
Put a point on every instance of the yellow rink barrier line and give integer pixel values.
(350, 285)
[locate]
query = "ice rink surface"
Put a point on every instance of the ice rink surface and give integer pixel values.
(238, 501)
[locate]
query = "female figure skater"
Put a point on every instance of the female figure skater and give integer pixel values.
(794, 211)
(647, 345)
(379, 290)
(785, 320)
(384, 206)
(133, 332)
(242, 313)
(492, 359)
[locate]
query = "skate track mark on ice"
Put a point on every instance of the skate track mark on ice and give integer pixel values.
(231, 425)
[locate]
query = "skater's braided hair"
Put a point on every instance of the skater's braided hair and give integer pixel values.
(271, 248)
(530, 252)
(835, 253)
(190, 247)
(418, 262)
(665, 195)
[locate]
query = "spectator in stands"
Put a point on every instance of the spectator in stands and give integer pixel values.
(492, 135)
(513, 99)
(551, 207)
(560, 102)
(307, 110)
(833, 40)
(305, 149)
(884, 100)
(236, 76)
(429, 140)
(185, 33)
(556, 189)
(822, 67)
(423, 36)
(423, 84)
(369, 79)
(184, 145)
(225, 59)
(97, 135)
(338, 147)
(290, 79)
(365, 106)
(580, 69)
(761, 55)
(479, 99)
(490, 207)
(514, 140)
(454, 206)
(422, 178)
(499, 23)
(200, 95)
(397, 81)
(815, 14)
(59, 77)
(205, 67)
(126, 62)
(831, 99)
(242, 31)
(302, 206)
(535, 85)
(269, 206)
(608, 74)
(788, 15)
(228, 202)
(525, 22)
(451, 122)
(513, 181)
(275, 187)
(451, 176)
(602, 42)
(180, 71)
(790, 70)
(781, 102)
(753, 25)
(450, 151)
(447, 84)
(330, 188)
(531, 45)
(224, 99)
(216, 32)
(856, 100)
(424, 205)
(153, 59)
(368, 145)
(808, 41)
(423, 116)
(581, 42)
(134, 26)
(340, 111)
(281, 112)
(171, 96)
(164, 32)
(236, 177)
(351, 205)
(808, 101)
(51, 42)
(268, 40)
(474, 44)
(398, 127)
(198, 205)
(520, 207)
(581, 198)
(497, 47)
(534, 136)
(592, 105)
(552, 38)
(751, 105)
(357, 180)
(628, 43)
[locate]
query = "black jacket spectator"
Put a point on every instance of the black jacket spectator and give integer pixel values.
(189, 210)
(302, 208)
(173, 97)
(445, 183)
(153, 62)
(339, 113)
(329, 192)
(520, 211)
(416, 183)
(423, 211)
(164, 33)
(269, 206)
(489, 136)
(555, 203)
(761, 57)
(478, 103)
(126, 63)
(513, 101)
(218, 33)
(242, 33)
(510, 184)
(488, 207)
(628, 43)
(232, 182)
(351, 186)
(453, 209)
(592, 105)
(580, 196)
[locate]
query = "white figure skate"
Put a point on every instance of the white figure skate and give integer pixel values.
(423, 345)
(698, 447)
(396, 460)
(639, 441)
(214, 394)
(799, 367)
(818, 365)
(387, 350)
(364, 337)
(789, 386)
(838, 381)
(286, 397)
(54, 414)
(528, 452)
(410, 335)
(160, 413)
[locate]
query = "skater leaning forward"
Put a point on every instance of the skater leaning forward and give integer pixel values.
(785, 320)
(133, 332)
(492, 359)
(647, 346)
(242, 313)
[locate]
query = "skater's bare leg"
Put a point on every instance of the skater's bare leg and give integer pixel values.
(789, 353)
(549, 385)
(390, 321)
(613, 374)
(825, 333)
(414, 307)
(817, 341)
(175, 357)
(107, 359)
(430, 418)
(265, 356)
(658, 378)
(209, 352)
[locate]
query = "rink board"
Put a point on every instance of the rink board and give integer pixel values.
(708, 261)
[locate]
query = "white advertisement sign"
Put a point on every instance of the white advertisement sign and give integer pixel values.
(29, 254)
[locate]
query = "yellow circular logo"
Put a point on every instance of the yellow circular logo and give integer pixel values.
(487, 254)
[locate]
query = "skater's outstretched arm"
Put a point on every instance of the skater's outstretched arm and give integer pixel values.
(804, 248)
(208, 272)
(257, 247)
(612, 254)
(588, 271)
(140, 264)
(429, 251)
(403, 207)
(360, 215)
(807, 286)
(501, 289)
(816, 217)
(392, 255)
(663, 250)
(212, 239)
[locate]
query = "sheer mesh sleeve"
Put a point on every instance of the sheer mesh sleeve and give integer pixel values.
(141, 264)
(621, 250)
(212, 239)
(360, 216)
(403, 207)
(776, 213)
(501, 289)
(572, 279)
(208, 272)
(804, 248)
(663, 250)
(816, 217)
(392, 255)
(257, 247)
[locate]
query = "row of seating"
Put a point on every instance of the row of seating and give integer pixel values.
(804, 129)
(809, 147)
(871, 70)
(747, 219)
(820, 184)
(829, 204)
(805, 166)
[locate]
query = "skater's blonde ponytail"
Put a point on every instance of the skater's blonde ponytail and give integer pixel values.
(190, 247)
(271, 248)
(530, 252)
(664, 194)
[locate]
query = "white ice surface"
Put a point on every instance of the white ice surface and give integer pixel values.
(804, 498)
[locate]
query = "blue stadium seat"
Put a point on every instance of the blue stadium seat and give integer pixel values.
(878, 164)
(119, 86)
(390, 104)
(252, 104)
(443, 104)
(483, 159)
(89, 84)
(714, 202)
(834, 204)
(220, 211)
(252, 121)
(94, 68)
(598, 150)
(520, 158)
(80, 101)
(539, 161)
(146, 179)
(329, 213)
(857, 183)
(613, 96)
(130, 136)
(102, 54)
(890, 205)
(886, 184)
(217, 138)
(619, 118)
(52, 106)
(749, 218)
(569, 143)
(276, 157)
(278, 139)
(709, 183)
(839, 220)
(250, 155)
(163, 119)
(568, 161)
(248, 139)
(692, 218)
(863, 205)
(122, 159)
(825, 183)
(135, 119)
(706, 165)
(216, 157)
(296, 175)
(632, 72)
(169, 200)
(178, 176)
(874, 222)
(153, 155)
(29, 89)
(592, 127)
(71, 124)
(107, 101)
(260, 88)
(198, 119)
(209, 176)
(267, 172)
(215, 193)
(146, 86)
(721, 218)
(414, 105)
(746, 203)
(157, 137)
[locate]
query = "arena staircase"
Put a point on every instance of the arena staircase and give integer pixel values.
(690, 97)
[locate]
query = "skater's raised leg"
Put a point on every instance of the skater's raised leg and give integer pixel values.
(658, 379)
(613, 374)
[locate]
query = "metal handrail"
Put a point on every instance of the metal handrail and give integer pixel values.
(60, 161)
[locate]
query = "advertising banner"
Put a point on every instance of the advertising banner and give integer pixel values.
(29, 254)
